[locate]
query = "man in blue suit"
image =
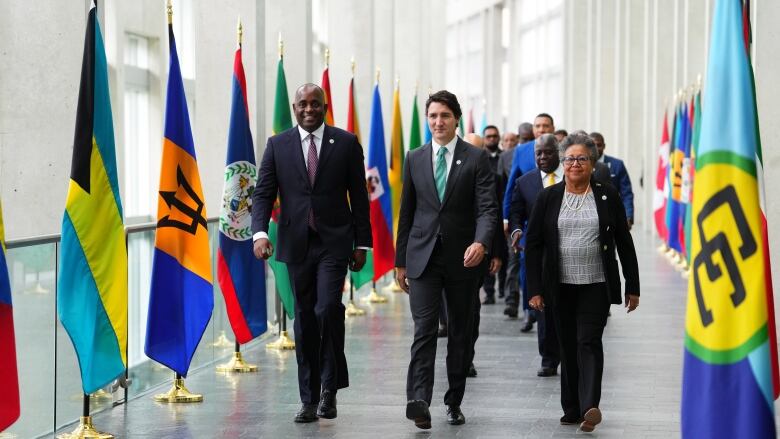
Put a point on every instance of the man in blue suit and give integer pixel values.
(619, 174)
(547, 172)
(523, 161)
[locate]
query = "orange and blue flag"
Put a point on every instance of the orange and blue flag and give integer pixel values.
(181, 297)
(379, 193)
(9, 377)
(241, 276)
(730, 361)
(92, 275)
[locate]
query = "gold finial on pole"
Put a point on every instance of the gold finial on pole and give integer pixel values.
(416, 86)
(397, 80)
(327, 57)
(352, 63)
(377, 74)
(281, 46)
(698, 82)
(169, 10)
(240, 31)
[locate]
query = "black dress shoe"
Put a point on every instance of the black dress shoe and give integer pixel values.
(489, 300)
(417, 411)
(455, 416)
(527, 327)
(500, 294)
(472, 372)
(307, 413)
(547, 372)
(511, 311)
(442, 331)
(570, 420)
(327, 407)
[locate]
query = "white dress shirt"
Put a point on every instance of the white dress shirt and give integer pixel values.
(305, 141)
(447, 157)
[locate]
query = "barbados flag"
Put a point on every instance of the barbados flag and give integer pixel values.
(9, 378)
(379, 193)
(92, 277)
(241, 276)
(730, 375)
(181, 298)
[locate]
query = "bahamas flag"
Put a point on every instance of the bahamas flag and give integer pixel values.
(182, 295)
(9, 378)
(241, 276)
(365, 275)
(729, 375)
(92, 277)
(379, 193)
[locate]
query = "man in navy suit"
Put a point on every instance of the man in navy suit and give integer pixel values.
(318, 175)
(548, 171)
(619, 177)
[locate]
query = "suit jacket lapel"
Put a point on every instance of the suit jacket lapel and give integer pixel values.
(326, 148)
(457, 163)
(297, 154)
(426, 158)
(556, 199)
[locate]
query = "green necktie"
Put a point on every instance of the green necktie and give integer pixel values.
(441, 172)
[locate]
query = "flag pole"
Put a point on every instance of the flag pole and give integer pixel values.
(284, 342)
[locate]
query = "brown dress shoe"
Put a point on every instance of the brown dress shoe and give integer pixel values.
(590, 420)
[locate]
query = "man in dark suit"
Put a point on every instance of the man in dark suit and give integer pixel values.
(618, 177)
(548, 172)
(314, 169)
(492, 139)
(445, 228)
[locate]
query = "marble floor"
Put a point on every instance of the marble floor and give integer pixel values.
(641, 389)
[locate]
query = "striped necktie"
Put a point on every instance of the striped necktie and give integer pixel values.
(441, 172)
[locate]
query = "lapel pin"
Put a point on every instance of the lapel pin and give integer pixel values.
(603, 197)
(330, 141)
(457, 162)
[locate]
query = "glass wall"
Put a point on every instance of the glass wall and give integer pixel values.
(49, 376)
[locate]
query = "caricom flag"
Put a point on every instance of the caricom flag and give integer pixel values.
(729, 361)
(182, 296)
(92, 277)
(241, 276)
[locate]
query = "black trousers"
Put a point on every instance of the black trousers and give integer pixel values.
(512, 282)
(489, 283)
(319, 321)
(547, 337)
(425, 301)
(580, 317)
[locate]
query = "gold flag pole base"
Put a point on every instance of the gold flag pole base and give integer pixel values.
(663, 248)
(392, 288)
(178, 394)
(682, 266)
(222, 341)
(237, 364)
(687, 273)
(85, 430)
(354, 310)
(283, 343)
(375, 297)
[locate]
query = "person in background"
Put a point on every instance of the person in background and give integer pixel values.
(618, 175)
(573, 232)
(491, 145)
(560, 135)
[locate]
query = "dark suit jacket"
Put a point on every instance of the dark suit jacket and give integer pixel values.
(467, 214)
(342, 222)
(524, 195)
(621, 180)
(542, 255)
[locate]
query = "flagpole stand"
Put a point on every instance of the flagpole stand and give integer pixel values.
(687, 273)
(392, 288)
(284, 342)
(222, 341)
(682, 265)
(352, 309)
(663, 248)
(85, 430)
(374, 297)
(237, 363)
(178, 393)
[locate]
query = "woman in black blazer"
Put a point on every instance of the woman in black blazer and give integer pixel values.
(573, 232)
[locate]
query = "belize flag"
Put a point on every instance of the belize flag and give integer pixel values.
(241, 276)
(9, 378)
(730, 364)
(182, 295)
(379, 193)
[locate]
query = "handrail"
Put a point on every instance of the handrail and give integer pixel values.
(56, 237)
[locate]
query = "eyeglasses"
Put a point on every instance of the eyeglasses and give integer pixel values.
(569, 161)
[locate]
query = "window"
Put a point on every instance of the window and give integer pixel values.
(139, 193)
